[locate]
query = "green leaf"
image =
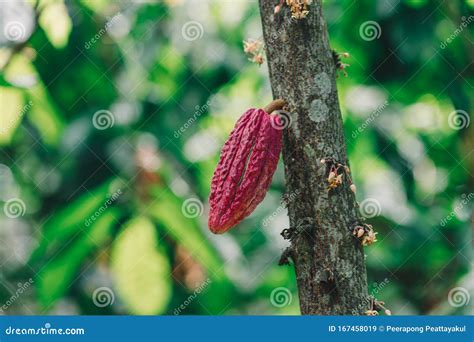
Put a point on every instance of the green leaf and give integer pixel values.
(4, 82)
(416, 3)
(98, 6)
(43, 113)
(73, 219)
(141, 271)
(55, 22)
(56, 277)
(167, 210)
(12, 112)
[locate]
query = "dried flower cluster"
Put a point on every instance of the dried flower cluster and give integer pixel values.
(335, 172)
(334, 179)
(365, 233)
(299, 8)
(338, 62)
(376, 306)
(254, 48)
(371, 313)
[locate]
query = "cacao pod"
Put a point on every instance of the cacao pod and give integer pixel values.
(247, 163)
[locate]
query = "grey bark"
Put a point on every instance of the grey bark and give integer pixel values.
(328, 260)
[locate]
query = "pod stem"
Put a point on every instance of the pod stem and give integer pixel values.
(274, 105)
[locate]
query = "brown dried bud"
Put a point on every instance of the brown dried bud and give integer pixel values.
(358, 231)
(259, 59)
(331, 177)
(353, 188)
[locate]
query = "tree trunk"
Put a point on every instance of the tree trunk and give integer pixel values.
(328, 259)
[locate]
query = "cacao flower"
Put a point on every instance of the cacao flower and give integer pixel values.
(248, 160)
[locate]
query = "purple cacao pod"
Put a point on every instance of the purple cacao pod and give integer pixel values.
(248, 161)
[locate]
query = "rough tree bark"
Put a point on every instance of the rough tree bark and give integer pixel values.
(328, 260)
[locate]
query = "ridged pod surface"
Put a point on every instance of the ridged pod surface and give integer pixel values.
(243, 175)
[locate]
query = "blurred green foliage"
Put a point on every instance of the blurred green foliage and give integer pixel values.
(121, 203)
